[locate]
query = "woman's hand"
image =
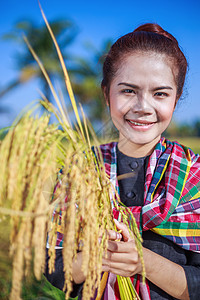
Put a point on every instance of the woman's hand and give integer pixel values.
(122, 257)
(77, 274)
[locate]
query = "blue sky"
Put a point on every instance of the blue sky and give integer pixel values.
(97, 21)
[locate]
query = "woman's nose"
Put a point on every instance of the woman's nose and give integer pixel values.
(142, 105)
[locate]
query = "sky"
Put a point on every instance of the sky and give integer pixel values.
(98, 21)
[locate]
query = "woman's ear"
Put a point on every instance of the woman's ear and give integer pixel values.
(106, 95)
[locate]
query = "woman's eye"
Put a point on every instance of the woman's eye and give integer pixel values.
(161, 94)
(128, 91)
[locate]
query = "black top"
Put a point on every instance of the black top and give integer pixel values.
(132, 194)
(132, 188)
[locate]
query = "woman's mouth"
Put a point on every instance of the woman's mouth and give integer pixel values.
(140, 125)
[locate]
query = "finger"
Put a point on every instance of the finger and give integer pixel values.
(128, 258)
(124, 230)
(121, 247)
(114, 235)
(120, 269)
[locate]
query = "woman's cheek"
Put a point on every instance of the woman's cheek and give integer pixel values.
(165, 112)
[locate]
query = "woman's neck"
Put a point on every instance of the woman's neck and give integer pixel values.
(136, 150)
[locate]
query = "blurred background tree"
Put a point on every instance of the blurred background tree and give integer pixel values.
(197, 128)
(65, 32)
(87, 81)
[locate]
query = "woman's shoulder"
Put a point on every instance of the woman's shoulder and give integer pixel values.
(183, 147)
(106, 147)
(107, 151)
(183, 150)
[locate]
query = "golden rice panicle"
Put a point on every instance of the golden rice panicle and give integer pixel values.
(90, 260)
(52, 237)
(15, 143)
(58, 206)
(28, 134)
(69, 230)
(6, 153)
(39, 239)
(37, 158)
(90, 228)
(30, 171)
(41, 204)
(34, 148)
(18, 265)
(27, 245)
(95, 224)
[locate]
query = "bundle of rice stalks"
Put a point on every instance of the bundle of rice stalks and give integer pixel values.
(27, 158)
(30, 159)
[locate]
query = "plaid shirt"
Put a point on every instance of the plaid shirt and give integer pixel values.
(171, 192)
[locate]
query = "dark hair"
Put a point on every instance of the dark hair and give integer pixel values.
(148, 37)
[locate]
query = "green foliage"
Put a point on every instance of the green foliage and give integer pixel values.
(32, 289)
(87, 81)
(5, 261)
(65, 32)
(197, 128)
(191, 142)
(41, 290)
(183, 130)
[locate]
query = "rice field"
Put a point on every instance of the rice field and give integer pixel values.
(192, 142)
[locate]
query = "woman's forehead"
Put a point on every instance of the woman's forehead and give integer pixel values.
(145, 66)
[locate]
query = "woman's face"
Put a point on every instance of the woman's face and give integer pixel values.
(142, 99)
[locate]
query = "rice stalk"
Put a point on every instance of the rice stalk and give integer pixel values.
(66, 76)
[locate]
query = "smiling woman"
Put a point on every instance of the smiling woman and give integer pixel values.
(143, 78)
(142, 99)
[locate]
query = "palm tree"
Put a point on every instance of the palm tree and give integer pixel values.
(87, 82)
(65, 32)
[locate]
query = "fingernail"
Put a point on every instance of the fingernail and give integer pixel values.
(119, 236)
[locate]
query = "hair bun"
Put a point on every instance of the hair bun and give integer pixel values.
(155, 28)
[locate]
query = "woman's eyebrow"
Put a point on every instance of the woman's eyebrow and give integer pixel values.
(129, 84)
(163, 88)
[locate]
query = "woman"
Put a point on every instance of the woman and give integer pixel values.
(143, 78)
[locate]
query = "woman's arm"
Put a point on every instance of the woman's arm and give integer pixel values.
(167, 275)
(123, 259)
(57, 278)
(77, 274)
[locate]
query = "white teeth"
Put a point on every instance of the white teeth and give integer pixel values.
(138, 124)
